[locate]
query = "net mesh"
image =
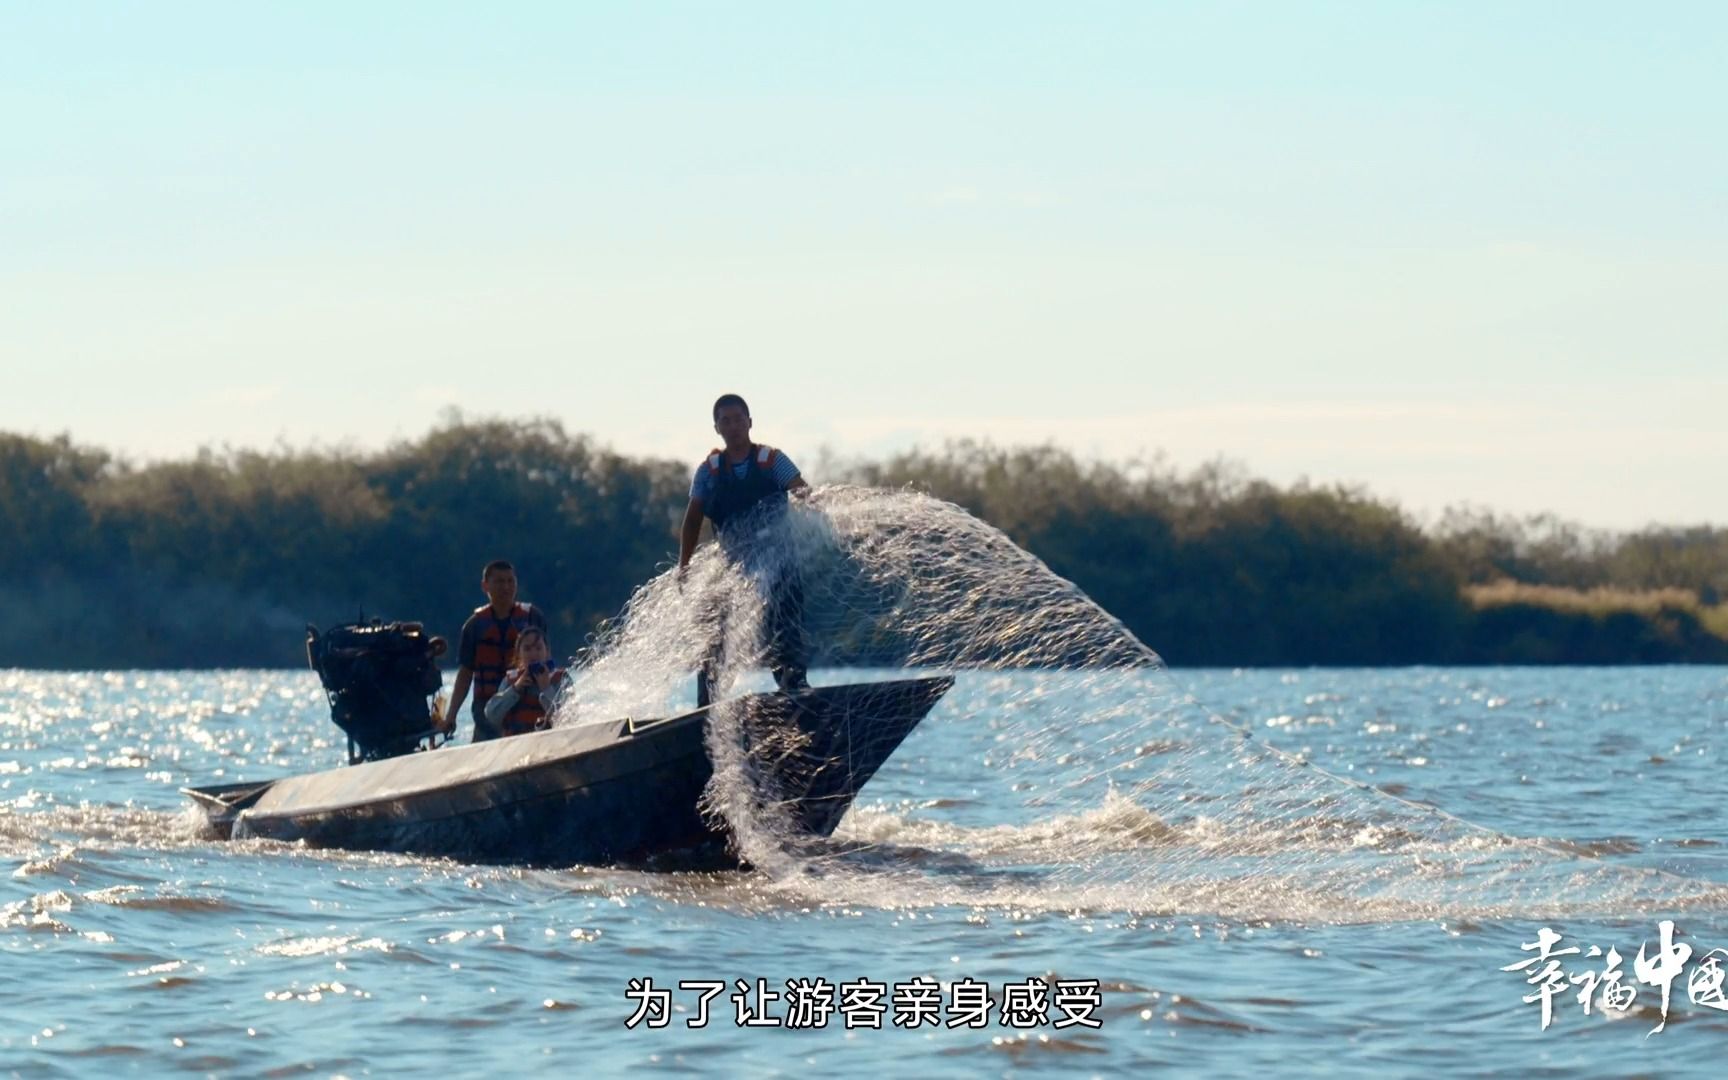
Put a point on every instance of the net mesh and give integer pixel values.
(1065, 769)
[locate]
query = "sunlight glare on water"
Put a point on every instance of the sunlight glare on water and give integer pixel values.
(1071, 809)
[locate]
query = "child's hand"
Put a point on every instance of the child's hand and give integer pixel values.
(523, 680)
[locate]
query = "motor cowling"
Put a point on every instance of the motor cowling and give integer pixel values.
(378, 677)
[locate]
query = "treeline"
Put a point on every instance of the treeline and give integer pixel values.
(1215, 567)
(221, 560)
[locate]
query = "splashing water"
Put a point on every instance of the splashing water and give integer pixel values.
(1113, 791)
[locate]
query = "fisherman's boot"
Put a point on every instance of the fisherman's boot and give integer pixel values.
(704, 687)
(791, 679)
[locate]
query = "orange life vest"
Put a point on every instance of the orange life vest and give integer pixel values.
(765, 457)
(529, 712)
(732, 496)
(493, 647)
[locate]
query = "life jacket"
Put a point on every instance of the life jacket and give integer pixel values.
(494, 646)
(529, 712)
(733, 496)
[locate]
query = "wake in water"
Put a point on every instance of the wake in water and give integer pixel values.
(1085, 779)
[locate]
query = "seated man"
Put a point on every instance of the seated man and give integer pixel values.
(488, 642)
(737, 482)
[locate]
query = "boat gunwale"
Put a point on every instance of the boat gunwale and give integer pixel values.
(938, 685)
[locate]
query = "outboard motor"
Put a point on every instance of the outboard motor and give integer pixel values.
(378, 677)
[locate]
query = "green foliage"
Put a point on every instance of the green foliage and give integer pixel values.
(1545, 624)
(44, 514)
(1685, 558)
(1484, 547)
(1212, 568)
(222, 559)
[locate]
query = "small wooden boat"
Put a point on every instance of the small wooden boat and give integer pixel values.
(624, 791)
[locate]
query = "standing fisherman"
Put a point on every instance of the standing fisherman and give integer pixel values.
(737, 487)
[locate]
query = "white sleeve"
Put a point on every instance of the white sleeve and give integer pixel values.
(499, 705)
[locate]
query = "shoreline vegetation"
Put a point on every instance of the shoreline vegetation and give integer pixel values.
(221, 559)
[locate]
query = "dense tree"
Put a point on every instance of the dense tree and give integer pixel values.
(222, 559)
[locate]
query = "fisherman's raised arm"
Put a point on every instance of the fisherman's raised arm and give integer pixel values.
(690, 532)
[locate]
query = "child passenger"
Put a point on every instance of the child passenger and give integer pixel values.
(526, 700)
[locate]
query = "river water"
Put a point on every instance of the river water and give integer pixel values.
(1190, 932)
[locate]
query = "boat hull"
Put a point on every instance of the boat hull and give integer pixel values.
(625, 792)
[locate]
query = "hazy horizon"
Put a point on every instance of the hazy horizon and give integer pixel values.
(821, 463)
(1451, 253)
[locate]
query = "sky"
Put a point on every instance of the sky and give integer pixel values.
(1457, 253)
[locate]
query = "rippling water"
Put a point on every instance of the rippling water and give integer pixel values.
(129, 942)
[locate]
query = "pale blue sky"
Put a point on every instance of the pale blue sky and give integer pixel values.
(1456, 252)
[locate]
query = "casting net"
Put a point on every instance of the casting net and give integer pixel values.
(1066, 768)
